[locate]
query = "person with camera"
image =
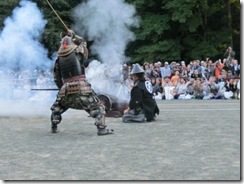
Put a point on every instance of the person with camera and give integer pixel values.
(229, 55)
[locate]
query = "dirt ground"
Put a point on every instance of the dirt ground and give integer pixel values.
(190, 140)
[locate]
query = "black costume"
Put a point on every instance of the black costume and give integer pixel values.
(142, 105)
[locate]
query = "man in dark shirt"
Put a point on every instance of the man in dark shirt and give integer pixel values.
(142, 105)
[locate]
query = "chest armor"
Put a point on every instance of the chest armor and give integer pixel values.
(70, 66)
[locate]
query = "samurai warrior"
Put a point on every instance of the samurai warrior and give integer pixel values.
(74, 91)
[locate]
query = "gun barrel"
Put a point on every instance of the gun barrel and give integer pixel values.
(45, 89)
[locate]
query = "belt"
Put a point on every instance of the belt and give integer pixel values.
(75, 78)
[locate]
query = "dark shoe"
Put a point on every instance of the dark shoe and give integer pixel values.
(104, 131)
(54, 129)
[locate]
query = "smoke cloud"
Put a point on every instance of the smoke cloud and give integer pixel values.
(19, 40)
(22, 56)
(107, 24)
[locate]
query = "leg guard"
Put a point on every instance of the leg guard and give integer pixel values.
(55, 119)
(99, 115)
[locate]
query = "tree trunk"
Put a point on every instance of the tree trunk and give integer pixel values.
(230, 22)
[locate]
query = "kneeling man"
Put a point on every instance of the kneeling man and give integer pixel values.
(142, 106)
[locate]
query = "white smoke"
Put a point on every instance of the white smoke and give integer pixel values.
(107, 24)
(19, 40)
(22, 56)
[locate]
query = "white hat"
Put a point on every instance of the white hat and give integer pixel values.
(136, 69)
(166, 63)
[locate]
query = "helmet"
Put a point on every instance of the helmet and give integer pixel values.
(66, 41)
(136, 69)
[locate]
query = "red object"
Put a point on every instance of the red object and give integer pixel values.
(65, 44)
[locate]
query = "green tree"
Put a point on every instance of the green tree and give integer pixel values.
(51, 35)
(189, 29)
(6, 8)
(169, 29)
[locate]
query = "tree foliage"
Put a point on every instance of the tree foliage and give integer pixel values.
(169, 29)
(185, 30)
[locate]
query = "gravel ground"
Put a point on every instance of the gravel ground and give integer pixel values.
(190, 140)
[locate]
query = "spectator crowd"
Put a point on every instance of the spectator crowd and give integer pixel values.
(206, 79)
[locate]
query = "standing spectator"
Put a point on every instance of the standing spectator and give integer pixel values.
(235, 68)
(165, 71)
(172, 67)
(218, 67)
(202, 69)
(194, 65)
(183, 70)
(189, 70)
(227, 66)
(128, 82)
(159, 64)
(209, 71)
(156, 71)
(125, 72)
(148, 70)
(229, 55)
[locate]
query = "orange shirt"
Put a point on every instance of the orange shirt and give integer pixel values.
(218, 69)
(174, 79)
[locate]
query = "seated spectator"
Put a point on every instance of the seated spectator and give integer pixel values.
(236, 81)
(212, 90)
(181, 89)
(175, 77)
(196, 74)
(235, 68)
(198, 89)
(165, 83)
(231, 88)
(238, 89)
(229, 74)
(157, 89)
(190, 87)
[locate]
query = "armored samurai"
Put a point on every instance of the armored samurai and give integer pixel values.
(74, 90)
